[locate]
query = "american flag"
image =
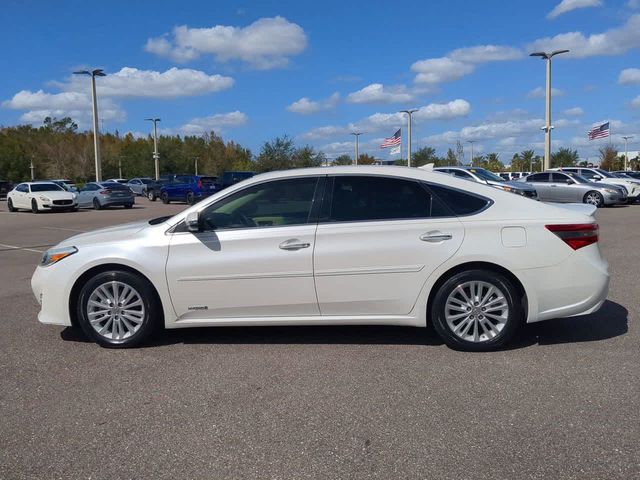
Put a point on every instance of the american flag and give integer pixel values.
(392, 141)
(599, 131)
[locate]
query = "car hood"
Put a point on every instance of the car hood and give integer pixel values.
(513, 184)
(55, 195)
(618, 181)
(106, 235)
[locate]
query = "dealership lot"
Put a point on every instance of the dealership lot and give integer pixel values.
(349, 402)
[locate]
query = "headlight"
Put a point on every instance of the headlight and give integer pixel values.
(74, 196)
(506, 189)
(611, 190)
(54, 255)
(44, 199)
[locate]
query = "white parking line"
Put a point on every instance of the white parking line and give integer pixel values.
(13, 247)
(65, 229)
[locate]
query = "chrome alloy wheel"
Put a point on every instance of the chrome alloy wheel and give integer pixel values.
(476, 311)
(115, 310)
(593, 198)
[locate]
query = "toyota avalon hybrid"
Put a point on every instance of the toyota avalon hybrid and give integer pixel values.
(333, 246)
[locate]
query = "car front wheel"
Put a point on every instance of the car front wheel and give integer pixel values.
(165, 198)
(10, 205)
(594, 198)
(151, 196)
(477, 310)
(118, 309)
(34, 206)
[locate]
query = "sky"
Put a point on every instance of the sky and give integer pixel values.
(317, 71)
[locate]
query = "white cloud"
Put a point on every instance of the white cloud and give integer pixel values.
(131, 82)
(76, 105)
(378, 93)
(614, 41)
(217, 122)
(568, 5)
(306, 106)
(381, 121)
(266, 43)
(489, 130)
(633, 4)
(629, 76)
(540, 92)
(635, 103)
(458, 63)
(573, 112)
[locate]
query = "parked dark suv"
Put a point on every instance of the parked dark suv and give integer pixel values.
(188, 188)
(231, 178)
(5, 187)
(153, 188)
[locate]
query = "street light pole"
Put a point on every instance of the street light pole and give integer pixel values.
(471, 142)
(32, 168)
(119, 167)
(96, 140)
(356, 134)
(156, 156)
(409, 112)
(196, 161)
(626, 157)
(547, 127)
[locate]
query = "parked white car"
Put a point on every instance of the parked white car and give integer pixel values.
(333, 246)
(41, 196)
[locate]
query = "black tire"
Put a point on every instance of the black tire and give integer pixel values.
(34, 206)
(144, 192)
(151, 195)
(96, 204)
(191, 199)
(151, 320)
(10, 205)
(128, 205)
(513, 312)
(164, 197)
(593, 198)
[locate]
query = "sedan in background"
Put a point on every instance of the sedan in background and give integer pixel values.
(599, 175)
(566, 187)
(631, 174)
(349, 245)
(41, 197)
(481, 175)
(107, 194)
(116, 180)
(139, 186)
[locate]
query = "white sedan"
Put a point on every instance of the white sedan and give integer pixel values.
(41, 196)
(333, 246)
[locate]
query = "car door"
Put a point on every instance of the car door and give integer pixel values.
(136, 186)
(19, 196)
(253, 256)
(541, 183)
(376, 244)
(86, 194)
(564, 187)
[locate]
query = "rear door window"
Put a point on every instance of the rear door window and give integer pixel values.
(457, 202)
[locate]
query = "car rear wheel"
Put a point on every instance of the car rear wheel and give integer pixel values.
(190, 198)
(477, 310)
(118, 309)
(10, 205)
(128, 205)
(34, 206)
(151, 195)
(165, 197)
(594, 198)
(96, 204)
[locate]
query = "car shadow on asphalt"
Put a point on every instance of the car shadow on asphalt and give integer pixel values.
(609, 322)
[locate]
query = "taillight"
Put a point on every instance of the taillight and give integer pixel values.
(199, 183)
(576, 235)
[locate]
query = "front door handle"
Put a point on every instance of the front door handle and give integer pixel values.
(293, 244)
(435, 236)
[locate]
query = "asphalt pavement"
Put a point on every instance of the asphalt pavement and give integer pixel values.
(316, 402)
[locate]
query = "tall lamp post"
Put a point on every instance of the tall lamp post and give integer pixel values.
(156, 156)
(547, 127)
(471, 142)
(626, 157)
(357, 135)
(96, 143)
(195, 159)
(408, 112)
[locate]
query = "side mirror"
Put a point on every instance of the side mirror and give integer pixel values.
(597, 177)
(570, 182)
(193, 222)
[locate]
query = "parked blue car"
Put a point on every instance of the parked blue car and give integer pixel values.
(188, 188)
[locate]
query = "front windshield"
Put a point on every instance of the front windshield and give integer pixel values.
(486, 175)
(577, 178)
(46, 187)
(604, 173)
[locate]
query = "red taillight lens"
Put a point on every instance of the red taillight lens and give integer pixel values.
(576, 235)
(199, 183)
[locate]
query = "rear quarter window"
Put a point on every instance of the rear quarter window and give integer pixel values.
(458, 202)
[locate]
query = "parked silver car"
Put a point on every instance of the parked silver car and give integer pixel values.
(139, 185)
(481, 175)
(106, 194)
(566, 187)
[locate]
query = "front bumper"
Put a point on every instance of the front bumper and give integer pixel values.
(614, 199)
(52, 206)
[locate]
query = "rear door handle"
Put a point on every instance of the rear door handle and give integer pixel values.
(293, 244)
(435, 237)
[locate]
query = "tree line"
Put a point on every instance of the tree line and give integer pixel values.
(58, 150)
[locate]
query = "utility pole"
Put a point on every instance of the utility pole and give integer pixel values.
(196, 162)
(96, 134)
(32, 169)
(120, 167)
(626, 157)
(409, 112)
(471, 142)
(156, 155)
(356, 134)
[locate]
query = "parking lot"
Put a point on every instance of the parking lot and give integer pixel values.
(316, 402)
